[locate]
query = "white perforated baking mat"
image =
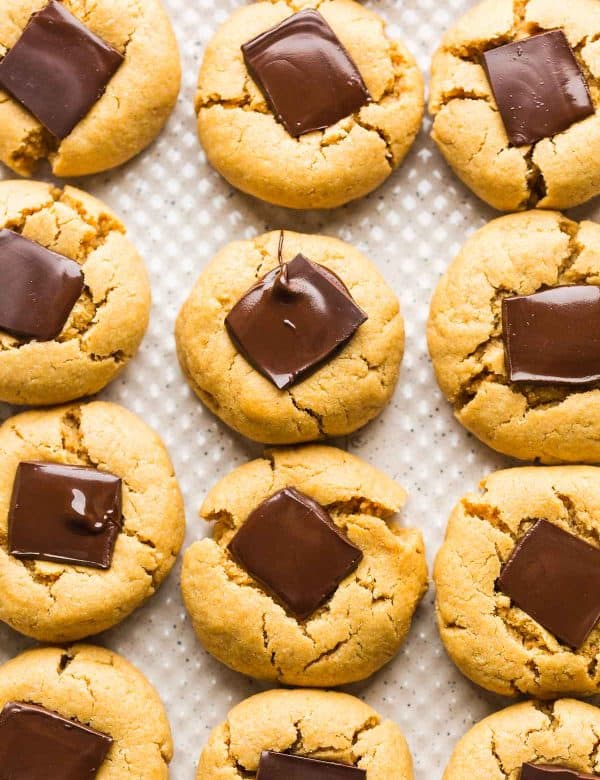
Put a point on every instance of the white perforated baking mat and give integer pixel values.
(179, 212)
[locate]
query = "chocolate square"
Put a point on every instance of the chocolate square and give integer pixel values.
(38, 288)
(538, 85)
(554, 576)
(307, 77)
(553, 335)
(552, 772)
(283, 766)
(37, 744)
(290, 544)
(58, 68)
(64, 514)
(292, 320)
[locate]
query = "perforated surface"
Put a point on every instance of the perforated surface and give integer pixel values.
(179, 212)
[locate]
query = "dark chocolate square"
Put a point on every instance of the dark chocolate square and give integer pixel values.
(38, 744)
(38, 288)
(552, 772)
(65, 514)
(538, 85)
(58, 69)
(554, 577)
(292, 320)
(290, 544)
(307, 77)
(553, 335)
(283, 766)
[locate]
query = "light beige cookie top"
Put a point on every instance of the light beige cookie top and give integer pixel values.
(132, 111)
(558, 172)
(57, 602)
(317, 724)
(324, 169)
(492, 641)
(102, 690)
(361, 627)
(517, 254)
(344, 394)
(564, 733)
(107, 323)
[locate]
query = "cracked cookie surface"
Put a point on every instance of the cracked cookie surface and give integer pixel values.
(102, 690)
(315, 724)
(56, 602)
(566, 732)
(518, 254)
(108, 321)
(361, 627)
(324, 169)
(131, 113)
(557, 172)
(492, 641)
(344, 394)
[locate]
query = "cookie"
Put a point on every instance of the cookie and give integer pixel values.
(116, 61)
(358, 621)
(92, 688)
(348, 389)
(361, 91)
(563, 734)
(543, 57)
(321, 725)
(45, 594)
(43, 361)
(507, 646)
(530, 392)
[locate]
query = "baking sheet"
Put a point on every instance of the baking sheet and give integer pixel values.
(179, 212)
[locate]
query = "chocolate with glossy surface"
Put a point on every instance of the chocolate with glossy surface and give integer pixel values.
(58, 69)
(38, 744)
(554, 576)
(307, 77)
(538, 85)
(290, 544)
(552, 772)
(553, 335)
(283, 766)
(65, 514)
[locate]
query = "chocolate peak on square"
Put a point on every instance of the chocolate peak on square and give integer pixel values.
(552, 772)
(38, 744)
(64, 514)
(290, 544)
(538, 85)
(307, 77)
(283, 766)
(554, 577)
(38, 288)
(553, 335)
(58, 69)
(293, 320)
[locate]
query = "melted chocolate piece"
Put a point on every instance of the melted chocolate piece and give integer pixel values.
(552, 772)
(65, 514)
(58, 68)
(538, 85)
(38, 288)
(554, 335)
(555, 577)
(283, 766)
(307, 77)
(290, 544)
(292, 320)
(37, 744)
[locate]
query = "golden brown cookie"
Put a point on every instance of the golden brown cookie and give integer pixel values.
(317, 724)
(132, 111)
(58, 602)
(99, 689)
(514, 255)
(323, 169)
(356, 631)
